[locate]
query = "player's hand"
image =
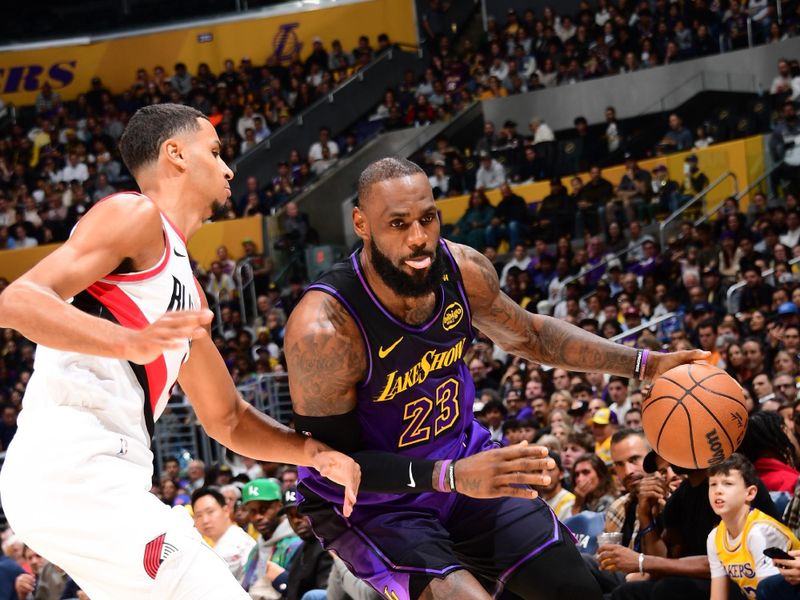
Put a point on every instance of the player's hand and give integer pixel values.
(142, 346)
(613, 557)
(658, 364)
(503, 472)
(24, 584)
(337, 467)
(790, 569)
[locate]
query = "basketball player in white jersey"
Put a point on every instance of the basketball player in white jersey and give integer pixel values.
(118, 318)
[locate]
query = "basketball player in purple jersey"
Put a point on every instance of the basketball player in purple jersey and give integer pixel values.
(119, 318)
(375, 362)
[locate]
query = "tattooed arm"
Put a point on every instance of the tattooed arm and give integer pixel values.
(326, 359)
(543, 339)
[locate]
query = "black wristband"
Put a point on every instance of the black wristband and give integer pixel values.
(381, 472)
(394, 474)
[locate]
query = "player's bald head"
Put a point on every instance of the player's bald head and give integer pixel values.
(384, 170)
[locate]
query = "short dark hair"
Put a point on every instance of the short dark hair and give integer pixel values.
(581, 387)
(619, 378)
(208, 491)
(151, 126)
(583, 439)
(736, 462)
(625, 433)
(495, 405)
(706, 323)
(383, 170)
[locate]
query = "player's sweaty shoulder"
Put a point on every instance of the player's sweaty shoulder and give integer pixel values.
(129, 212)
(126, 220)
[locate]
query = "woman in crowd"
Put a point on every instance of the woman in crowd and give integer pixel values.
(735, 364)
(593, 485)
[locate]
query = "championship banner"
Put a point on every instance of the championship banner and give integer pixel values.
(284, 32)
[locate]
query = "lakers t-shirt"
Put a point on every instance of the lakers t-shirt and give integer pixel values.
(742, 558)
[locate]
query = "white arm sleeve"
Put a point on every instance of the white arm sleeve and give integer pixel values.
(761, 536)
(717, 570)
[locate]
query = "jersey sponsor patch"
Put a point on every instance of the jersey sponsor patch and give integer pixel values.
(452, 315)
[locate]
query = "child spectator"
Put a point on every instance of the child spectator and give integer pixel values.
(736, 546)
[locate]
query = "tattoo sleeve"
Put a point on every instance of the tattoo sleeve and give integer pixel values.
(325, 357)
(539, 338)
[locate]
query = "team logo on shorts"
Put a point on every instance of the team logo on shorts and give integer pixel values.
(156, 552)
(452, 316)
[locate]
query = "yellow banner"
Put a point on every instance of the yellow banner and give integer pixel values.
(744, 158)
(202, 247)
(286, 36)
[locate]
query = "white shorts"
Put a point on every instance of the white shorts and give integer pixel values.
(78, 494)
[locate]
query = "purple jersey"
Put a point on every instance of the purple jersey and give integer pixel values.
(417, 397)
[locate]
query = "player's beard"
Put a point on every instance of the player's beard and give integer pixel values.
(420, 284)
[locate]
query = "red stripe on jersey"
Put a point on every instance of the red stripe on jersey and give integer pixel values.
(153, 271)
(152, 555)
(175, 228)
(149, 273)
(128, 314)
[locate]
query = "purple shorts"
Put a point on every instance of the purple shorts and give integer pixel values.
(398, 550)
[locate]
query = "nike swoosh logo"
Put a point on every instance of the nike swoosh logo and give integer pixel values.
(178, 253)
(411, 482)
(384, 353)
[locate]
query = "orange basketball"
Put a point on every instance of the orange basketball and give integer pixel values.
(695, 416)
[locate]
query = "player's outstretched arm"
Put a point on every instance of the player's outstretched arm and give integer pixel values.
(544, 339)
(234, 423)
(123, 229)
(326, 360)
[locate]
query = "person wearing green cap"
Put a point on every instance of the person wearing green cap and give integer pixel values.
(277, 543)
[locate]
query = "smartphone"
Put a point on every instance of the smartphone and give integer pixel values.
(774, 552)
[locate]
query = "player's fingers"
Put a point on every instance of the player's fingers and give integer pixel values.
(521, 450)
(697, 355)
(516, 492)
(193, 318)
(521, 478)
(166, 340)
(347, 507)
(527, 465)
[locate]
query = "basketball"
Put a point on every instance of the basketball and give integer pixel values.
(695, 416)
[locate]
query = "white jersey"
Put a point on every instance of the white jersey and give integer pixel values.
(234, 547)
(125, 397)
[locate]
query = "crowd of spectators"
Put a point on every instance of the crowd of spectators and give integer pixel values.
(591, 423)
(58, 157)
(55, 164)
